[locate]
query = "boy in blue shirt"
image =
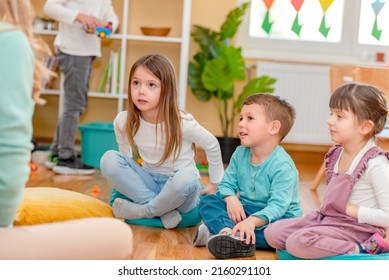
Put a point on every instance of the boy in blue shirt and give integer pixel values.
(260, 185)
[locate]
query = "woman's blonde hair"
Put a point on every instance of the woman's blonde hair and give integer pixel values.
(20, 14)
(169, 112)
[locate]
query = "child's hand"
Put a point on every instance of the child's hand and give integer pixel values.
(235, 209)
(209, 189)
(246, 230)
(101, 23)
(89, 23)
(352, 210)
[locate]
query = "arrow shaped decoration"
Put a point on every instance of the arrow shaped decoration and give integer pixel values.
(266, 24)
(377, 7)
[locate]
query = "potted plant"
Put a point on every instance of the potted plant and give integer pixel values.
(214, 71)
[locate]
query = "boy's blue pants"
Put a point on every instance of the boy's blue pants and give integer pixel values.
(213, 211)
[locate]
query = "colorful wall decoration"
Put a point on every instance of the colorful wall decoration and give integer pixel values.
(377, 7)
(373, 22)
(306, 20)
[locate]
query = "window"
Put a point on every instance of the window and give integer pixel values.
(373, 23)
(297, 20)
(323, 31)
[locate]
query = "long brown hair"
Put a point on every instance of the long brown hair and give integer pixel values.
(20, 15)
(168, 111)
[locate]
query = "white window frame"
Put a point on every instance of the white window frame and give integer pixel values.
(347, 51)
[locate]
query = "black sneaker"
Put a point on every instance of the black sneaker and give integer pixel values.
(224, 246)
(73, 166)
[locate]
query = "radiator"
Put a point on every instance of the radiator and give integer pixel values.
(307, 88)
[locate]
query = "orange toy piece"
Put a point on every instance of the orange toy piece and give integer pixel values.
(95, 190)
(139, 161)
(33, 166)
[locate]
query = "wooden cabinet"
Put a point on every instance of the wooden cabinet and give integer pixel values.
(376, 76)
(131, 44)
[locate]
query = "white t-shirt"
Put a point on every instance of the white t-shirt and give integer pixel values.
(151, 146)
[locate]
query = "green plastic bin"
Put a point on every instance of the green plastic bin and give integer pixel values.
(96, 139)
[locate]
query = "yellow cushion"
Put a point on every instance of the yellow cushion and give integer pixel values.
(45, 205)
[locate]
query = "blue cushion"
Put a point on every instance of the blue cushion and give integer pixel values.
(284, 255)
(189, 219)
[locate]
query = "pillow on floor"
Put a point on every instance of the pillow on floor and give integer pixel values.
(189, 219)
(45, 205)
(284, 255)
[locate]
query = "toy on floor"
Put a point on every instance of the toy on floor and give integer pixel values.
(202, 167)
(33, 166)
(95, 191)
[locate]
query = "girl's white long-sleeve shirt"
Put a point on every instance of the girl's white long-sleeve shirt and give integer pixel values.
(72, 38)
(371, 191)
(151, 146)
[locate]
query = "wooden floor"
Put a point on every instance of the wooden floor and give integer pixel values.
(162, 244)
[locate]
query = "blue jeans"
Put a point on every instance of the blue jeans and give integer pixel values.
(77, 71)
(162, 193)
(213, 211)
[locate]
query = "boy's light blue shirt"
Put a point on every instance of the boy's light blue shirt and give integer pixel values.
(275, 188)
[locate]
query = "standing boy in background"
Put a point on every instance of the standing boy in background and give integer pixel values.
(77, 46)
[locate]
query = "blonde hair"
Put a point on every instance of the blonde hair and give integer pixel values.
(275, 109)
(20, 14)
(169, 112)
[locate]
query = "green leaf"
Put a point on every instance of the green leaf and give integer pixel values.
(263, 84)
(235, 62)
(206, 38)
(232, 22)
(217, 75)
(195, 70)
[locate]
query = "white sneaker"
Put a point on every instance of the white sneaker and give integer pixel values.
(202, 236)
(64, 170)
(50, 165)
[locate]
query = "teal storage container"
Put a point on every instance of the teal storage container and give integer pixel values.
(96, 139)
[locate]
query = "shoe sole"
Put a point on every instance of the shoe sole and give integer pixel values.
(225, 246)
(64, 170)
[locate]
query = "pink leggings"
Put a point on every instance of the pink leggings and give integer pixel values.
(82, 239)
